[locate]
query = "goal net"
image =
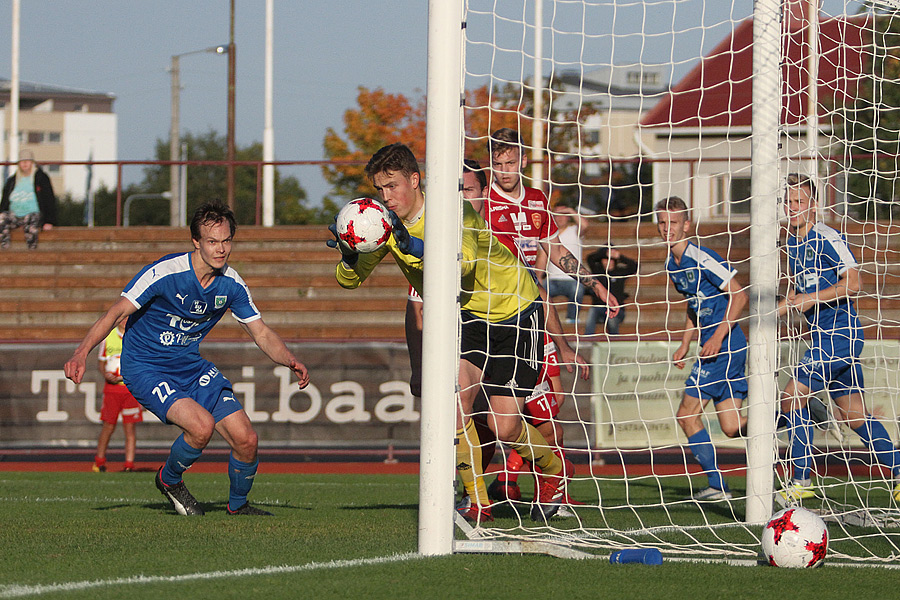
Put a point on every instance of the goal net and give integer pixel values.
(623, 103)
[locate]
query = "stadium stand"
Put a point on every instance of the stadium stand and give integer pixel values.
(56, 292)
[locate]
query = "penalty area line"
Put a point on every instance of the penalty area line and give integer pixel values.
(21, 591)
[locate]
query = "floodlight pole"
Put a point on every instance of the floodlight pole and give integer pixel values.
(175, 131)
(229, 188)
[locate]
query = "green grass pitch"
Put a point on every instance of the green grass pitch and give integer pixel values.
(86, 535)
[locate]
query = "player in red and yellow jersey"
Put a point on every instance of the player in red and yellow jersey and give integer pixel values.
(520, 217)
(116, 400)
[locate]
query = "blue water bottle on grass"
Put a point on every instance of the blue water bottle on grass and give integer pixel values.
(644, 556)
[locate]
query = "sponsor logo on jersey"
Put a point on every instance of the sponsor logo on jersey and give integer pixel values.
(502, 219)
(518, 220)
(181, 297)
(198, 307)
(810, 280)
(170, 338)
(220, 301)
(209, 376)
(535, 204)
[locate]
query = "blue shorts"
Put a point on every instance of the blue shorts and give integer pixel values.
(204, 384)
(842, 375)
(720, 377)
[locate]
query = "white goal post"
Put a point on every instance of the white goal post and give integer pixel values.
(624, 103)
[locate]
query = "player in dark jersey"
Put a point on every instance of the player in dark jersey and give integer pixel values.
(171, 305)
(825, 278)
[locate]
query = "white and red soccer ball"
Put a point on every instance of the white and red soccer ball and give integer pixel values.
(795, 538)
(364, 225)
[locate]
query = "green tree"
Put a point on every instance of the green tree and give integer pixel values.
(206, 183)
(869, 123)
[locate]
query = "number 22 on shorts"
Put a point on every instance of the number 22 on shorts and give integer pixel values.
(163, 391)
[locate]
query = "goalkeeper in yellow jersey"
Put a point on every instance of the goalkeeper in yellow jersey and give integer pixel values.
(502, 327)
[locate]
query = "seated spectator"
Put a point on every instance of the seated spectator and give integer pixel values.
(613, 269)
(27, 202)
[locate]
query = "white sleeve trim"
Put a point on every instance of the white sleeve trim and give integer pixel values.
(709, 263)
(840, 247)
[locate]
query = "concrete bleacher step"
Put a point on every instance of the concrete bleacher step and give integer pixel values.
(60, 289)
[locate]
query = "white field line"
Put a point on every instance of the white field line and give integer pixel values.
(21, 591)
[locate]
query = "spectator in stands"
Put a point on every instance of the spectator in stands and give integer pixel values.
(613, 269)
(116, 399)
(28, 202)
(560, 283)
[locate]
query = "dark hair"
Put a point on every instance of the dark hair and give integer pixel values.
(503, 140)
(394, 158)
(211, 213)
(798, 180)
(472, 166)
(673, 203)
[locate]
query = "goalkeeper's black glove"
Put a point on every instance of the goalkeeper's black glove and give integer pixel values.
(406, 243)
(348, 256)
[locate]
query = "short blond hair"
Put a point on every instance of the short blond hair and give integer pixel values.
(797, 180)
(673, 204)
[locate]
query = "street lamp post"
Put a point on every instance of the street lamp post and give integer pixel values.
(174, 132)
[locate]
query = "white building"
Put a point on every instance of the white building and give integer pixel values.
(63, 125)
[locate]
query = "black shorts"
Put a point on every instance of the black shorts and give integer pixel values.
(509, 353)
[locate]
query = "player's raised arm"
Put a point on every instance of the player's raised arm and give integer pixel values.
(75, 366)
(568, 263)
(273, 346)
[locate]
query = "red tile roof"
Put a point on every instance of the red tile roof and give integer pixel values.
(718, 91)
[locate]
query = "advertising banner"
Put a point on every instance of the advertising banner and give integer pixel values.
(637, 390)
(358, 393)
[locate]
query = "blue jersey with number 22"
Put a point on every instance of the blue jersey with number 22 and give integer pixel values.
(175, 313)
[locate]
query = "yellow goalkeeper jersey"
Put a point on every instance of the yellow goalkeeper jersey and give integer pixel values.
(495, 285)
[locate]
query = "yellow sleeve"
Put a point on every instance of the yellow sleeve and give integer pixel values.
(352, 278)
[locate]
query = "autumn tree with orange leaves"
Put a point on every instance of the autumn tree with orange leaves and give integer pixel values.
(379, 120)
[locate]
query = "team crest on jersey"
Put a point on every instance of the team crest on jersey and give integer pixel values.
(810, 253)
(220, 301)
(536, 220)
(198, 307)
(690, 276)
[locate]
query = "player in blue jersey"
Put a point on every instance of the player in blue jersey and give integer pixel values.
(171, 305)
(825, 278)
(715, 301)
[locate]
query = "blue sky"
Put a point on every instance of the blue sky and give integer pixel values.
(323, 51)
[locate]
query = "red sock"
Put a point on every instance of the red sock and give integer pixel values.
(514, 464)
(99, 460)
(129, 465)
